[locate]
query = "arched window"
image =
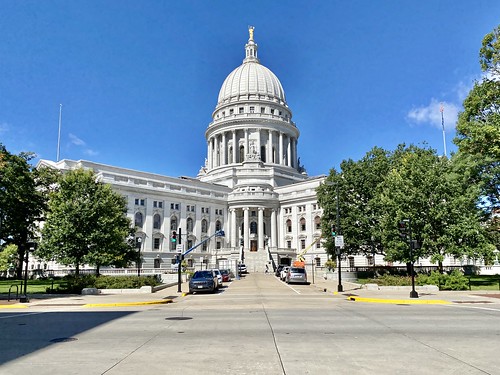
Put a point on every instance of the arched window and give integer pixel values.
(302, 224)
(218, 225)
(317, 222)
(204, 226)
(189, 224)
(253, 227)
(173, 223)
(242, 154)
(156, 221)
(289, 226)
(138, 219)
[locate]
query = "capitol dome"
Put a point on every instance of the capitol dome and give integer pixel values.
(251, 80)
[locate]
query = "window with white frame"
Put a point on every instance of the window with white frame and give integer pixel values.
(204, 226)
(174, 206)
(157, 204)
(189, 224)
(138, 219)
(173, 223)
(289, 244)
(156, 243)
(317, 223)
(302, 244)
(289, 226)
(302, 223)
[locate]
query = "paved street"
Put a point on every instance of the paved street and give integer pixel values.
(256, 325)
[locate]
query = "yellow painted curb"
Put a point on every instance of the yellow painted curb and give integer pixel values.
(163, 301)
(184, 294)
(400, 301)
(15, 306)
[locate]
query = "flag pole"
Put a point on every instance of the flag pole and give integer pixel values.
(59, 133)
(441, 109)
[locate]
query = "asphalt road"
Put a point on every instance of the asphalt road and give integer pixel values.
(256, 325)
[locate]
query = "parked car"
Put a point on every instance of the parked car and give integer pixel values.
(219, 276)
(296, 275)
(226, 275)
(278, 270)
(242, 268)
(284, 272)
(203, 281)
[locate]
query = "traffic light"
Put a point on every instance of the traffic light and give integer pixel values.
(173, 238)
(334, 230)
(403, 229)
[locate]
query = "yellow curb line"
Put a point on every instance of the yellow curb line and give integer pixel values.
(128, 303)
(15, 306)
(184, 294)
(400, 301)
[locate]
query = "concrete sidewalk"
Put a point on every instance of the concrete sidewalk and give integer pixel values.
(351, 291)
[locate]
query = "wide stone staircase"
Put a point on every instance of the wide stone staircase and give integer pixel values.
(256, 261)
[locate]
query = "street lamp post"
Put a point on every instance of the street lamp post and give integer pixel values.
(138, 244)
(340, 288)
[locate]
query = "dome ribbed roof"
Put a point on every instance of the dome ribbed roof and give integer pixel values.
(251, 80)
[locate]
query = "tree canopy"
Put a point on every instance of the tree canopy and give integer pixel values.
(86, 224)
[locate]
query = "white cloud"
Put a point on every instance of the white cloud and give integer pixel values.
(90, 152)
(4, 127)
(75, 140)
(431, 114)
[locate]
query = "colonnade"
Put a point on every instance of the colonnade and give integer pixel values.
(234, 229)
(224, 148)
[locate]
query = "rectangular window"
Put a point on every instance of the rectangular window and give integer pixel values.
(272, 111)
(217, 245)
(231, 111)
(223, 113)
(289, 244)
(302, 244)
(174, 206)
(156, 243)
(318, 244)
(318, 262)
(139, 202)
(157, 204)
(254, 213)
(241, 110)
(252, 109)
(262, 110)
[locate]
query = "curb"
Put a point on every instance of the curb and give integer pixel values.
(399, 301)
(164, 301)
(14, 306)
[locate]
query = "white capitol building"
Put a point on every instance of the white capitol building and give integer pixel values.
(251, 185)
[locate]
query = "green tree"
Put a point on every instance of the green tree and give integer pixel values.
(86, 224)
(8, 257)
(478, 127)
(440, 203)
(23, 199)
(359, 218)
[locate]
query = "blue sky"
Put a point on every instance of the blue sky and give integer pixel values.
(138, 80)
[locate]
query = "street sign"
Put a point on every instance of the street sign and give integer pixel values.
(339, 241)
(179, 249)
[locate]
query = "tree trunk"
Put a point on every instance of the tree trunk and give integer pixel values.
(440, 266)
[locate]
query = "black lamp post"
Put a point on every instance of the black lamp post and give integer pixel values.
(29, 247)
(340, 288)
(138, 243)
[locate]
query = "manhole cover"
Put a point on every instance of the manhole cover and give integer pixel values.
(64, 339)
(179, 318)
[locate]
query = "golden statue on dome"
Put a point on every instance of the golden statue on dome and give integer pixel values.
(250, 31)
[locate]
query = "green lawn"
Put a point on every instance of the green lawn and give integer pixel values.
(34, 286)
(485, 282)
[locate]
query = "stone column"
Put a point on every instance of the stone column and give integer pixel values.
(261, 228)
(223, 149)
(235, 147)
(270, 146)
(274, 242)
(246, 146)
(280, 156)
(289, 152)
(210, 154)
(233, 231)
(246, 229)
(217, 151)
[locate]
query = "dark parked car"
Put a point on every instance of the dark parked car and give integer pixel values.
(203, 281)
(226, 275)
